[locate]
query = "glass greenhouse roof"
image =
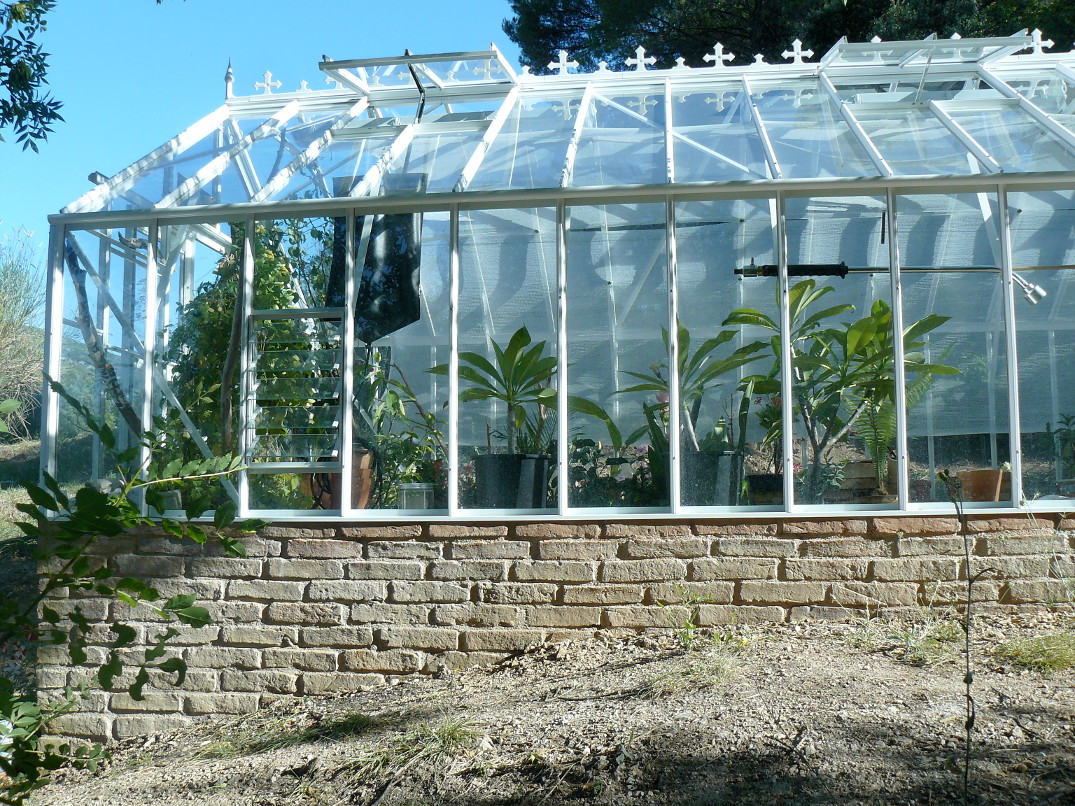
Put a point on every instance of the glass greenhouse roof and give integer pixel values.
(468, 123)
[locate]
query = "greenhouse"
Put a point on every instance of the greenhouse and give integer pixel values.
(438, 286)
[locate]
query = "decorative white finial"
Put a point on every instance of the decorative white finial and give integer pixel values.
(229, 80)
(876, 40)
(304, 86)
(602, 67)
(759, 59)
(267, 84)
(336, 83)
(955, 35)
(797, 52)
(640, 60)
(562, 65)
(526, 70)
(718, 56)
(486, 69)
(681, 64)
(1039, 44)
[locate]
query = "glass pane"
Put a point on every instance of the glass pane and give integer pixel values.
(724, 433)
(529, 152)
(913, 141)
(507, 361)
(1043, 254)
(958, 420)
(809, 136)
(1014, 140)
(617, 294)
(622, 141)
(714, 136)
(842, 337)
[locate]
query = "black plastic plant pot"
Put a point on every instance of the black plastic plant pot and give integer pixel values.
(512, 481)
(706, 478)
(766, 488)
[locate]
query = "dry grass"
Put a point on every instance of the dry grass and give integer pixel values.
(1048, 653)
(426, 744)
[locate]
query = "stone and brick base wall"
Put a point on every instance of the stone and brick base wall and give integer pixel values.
(318, 609)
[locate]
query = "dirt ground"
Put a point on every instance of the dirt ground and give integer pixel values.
(867, 712)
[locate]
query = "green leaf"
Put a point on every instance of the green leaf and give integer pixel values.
(110, 670)
(176, 665)
(194, 616)
(225, 513)
(125, 634)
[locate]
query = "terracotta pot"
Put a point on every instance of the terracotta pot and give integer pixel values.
(326, 488)
(989, 484)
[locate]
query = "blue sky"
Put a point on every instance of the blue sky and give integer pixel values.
(133, 74)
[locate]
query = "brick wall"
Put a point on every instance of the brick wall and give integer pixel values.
(317, 610)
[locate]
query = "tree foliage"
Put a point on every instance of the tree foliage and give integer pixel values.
(592, 31)
(21, 300)
(24, 105)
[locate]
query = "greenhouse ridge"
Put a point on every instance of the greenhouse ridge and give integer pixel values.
(628, 293)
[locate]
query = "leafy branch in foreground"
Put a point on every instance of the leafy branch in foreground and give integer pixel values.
(66, 528)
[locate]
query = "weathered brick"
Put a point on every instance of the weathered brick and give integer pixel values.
(915, 569)
(404, 550)
(306, 548)
(782, 593)
(755, 547)
(127, 726)
(311, 660)
(397, 661)
(732, 568)
(922, 546)
(255, 545)
(314, 683)
(846, 547)
(288, 530)
(1016, 567)
(230, 703)
(431, 638)
(304, 613)
(151, 701)
(944, 593)
(90, 609)
(455, 531)
(279, 568)
(874, 594)
(924, 526)
(385, 569)
(407, 592)
(469, 569)
(826, 569)
(557, 530)
(716, 614)
(682, 547)
(490, 550)
(348, 591)
(204, 590)
(227, 567)
(578, 549)
(384, 532)
(559, 616)
(603, 594)
(632, 529)
(1038, 591)
(643, 570)
(267, 590)
(553, 571)
(220, 657)
(500, 639)
(259, 635)
(851, 526)
(637, 618)
(379, 613)
(239, 612)
(983, 524)
(473, 614)
(149, 567)
(336, 636)
(272, 681)
(518, 593)
(743, 529)
(87, 726)
(1050, 543)
(692, 592)
(168, 545)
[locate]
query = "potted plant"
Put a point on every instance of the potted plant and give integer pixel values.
(710, 461)
(839, 372)
(519, 377)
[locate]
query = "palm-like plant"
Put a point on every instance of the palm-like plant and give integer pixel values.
(519, 376)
